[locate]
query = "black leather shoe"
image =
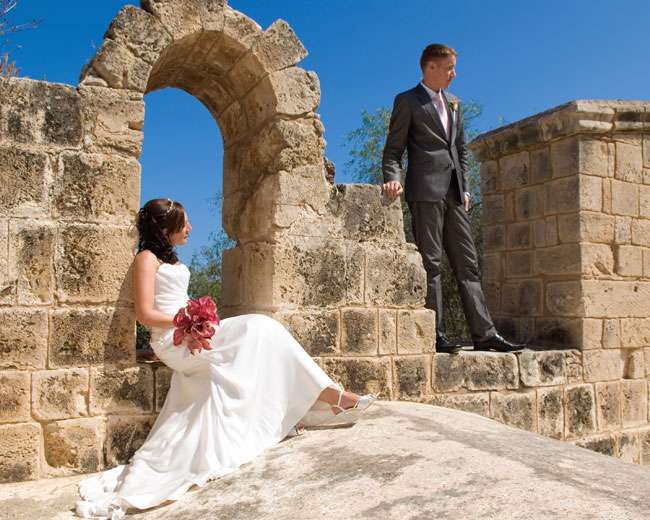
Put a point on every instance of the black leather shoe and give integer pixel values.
(444, 344)
(498, 343)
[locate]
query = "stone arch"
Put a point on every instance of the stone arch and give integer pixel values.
(245, 76)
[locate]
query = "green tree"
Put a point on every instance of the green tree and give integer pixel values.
(366, 149)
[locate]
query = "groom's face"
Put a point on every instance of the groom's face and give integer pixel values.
(440, 72)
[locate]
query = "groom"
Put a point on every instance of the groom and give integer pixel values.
(427, 123)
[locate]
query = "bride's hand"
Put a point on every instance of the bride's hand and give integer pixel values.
(196, 345)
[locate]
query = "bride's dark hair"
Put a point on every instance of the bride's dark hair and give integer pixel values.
(154, 217)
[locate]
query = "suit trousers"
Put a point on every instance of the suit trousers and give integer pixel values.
(445, 224)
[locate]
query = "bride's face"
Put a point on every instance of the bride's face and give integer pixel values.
(179, 238)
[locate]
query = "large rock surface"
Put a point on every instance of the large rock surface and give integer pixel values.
(406, 461)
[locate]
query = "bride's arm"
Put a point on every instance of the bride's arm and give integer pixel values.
(144, 274)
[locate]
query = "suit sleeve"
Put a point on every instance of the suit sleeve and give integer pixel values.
(398, 129)
(463, 153)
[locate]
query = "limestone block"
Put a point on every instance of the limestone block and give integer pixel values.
(478, 403)
(629, 261)
(359, 332)
(529, 203)
(635, 364)
(162, 376)
(541, 368)
(279, 47)
(25, 177)
(591, 193)
(515, 170)
(579, 411)
(412, 377)
(394, 277)
(308, 185)
(387, 331)
(540, 165)
(290, 92)
(60, 394)
(490, 371)
(583, 155)
(112, 120)
(550, 412)
(564, 298)
(616, 298)
(494, 209)
(586, 227)
(629, 159)
(558, 332)
(416, 331)
(39, 113)
(602, 365)
(124, 435)
(448, 372)
(573, 363)
(489, 172)
(97, 187)
(563, 259)
(516, 409)
(562, 195)
(117, 65)
(644, 201)
(23, 338)
(604, 444)
(93, 263)
(238, 35)
(75, 444)
(31, 248)
(597, 260)
(634, 401)
(644, 441)
(646, 151)
(492, 266)
(551, 231)
(232, 282)
(607, 196)
(20, 452)
(121, 390)
(284, 145)
(641, 232)
(523, 298)
(592, 334)
(629, 447)
(91, 337)
(14, 396)
(623, 230)
(365, 214)
(361, 375)
(611, 333)
(494, 238)
(7, 281)
(317, 331)
(519, 235)
(141, 32)
(608, 406)
(625, 198)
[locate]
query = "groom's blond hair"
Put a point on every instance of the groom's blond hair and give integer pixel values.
(435, 51)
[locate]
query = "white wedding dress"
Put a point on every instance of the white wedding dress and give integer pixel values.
(224, 407)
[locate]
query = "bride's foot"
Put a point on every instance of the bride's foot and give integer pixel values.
(351, 406)
(297, 430)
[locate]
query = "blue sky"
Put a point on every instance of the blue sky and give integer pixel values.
(515, 58)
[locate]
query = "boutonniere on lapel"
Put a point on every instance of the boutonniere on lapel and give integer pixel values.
(453, 106)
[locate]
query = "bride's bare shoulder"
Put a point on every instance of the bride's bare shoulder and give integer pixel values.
(145, 260)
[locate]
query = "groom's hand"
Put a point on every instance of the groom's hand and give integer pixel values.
(392, 189)
(467, 201)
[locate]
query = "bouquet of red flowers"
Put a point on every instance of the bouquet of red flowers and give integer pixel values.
(196, 319)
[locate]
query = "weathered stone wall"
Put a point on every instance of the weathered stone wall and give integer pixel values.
(327, 260)
(567, 237)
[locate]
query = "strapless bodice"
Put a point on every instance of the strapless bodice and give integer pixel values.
(170, 292)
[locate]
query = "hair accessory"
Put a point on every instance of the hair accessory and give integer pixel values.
(170, 208)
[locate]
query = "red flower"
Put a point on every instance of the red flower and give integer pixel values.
(195, 319)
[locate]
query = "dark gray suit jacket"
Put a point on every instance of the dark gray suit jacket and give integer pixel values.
(415, 126)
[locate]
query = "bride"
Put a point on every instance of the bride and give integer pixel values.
(251, 387)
